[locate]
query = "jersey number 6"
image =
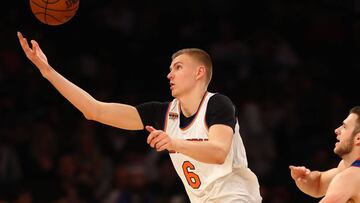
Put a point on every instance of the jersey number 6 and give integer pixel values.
(192, 179)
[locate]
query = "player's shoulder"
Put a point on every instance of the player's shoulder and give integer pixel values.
(219, 97)
(152, 106)
(353, 170)
(349, 178)
(222, 104)
(350, 172)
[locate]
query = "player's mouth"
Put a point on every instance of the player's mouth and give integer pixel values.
(337, 141)
(171, 85)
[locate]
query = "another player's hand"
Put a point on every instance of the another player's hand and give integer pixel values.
(35, 54)
(159, 140)
(299, 173)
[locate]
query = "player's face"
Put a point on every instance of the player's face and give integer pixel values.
(182, 76)
(345, 136)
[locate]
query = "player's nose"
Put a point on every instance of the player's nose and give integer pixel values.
(170, 75)
(337, 131)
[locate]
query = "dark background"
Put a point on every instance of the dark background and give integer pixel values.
(291, 67)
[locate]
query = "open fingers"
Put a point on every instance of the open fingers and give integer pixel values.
(149, 128)
(159, 140)
(153, 135)
(299, 172)
(161, 145)
(36, 47)
(156, 139)
(24, 44)
(20, 36)
(303, 170)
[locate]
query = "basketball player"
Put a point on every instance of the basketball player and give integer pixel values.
(200, 129)
(340, 184)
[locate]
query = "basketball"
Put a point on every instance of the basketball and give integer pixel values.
(54, 12)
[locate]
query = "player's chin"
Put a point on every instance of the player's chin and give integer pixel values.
(173, 93)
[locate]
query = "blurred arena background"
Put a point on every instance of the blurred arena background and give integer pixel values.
(291, 67)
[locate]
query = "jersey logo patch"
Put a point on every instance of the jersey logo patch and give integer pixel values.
(173, 115)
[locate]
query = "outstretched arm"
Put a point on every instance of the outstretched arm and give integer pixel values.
(313, 183)
(114, 114)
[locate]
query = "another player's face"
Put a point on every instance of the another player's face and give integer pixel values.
(182, 75)
(345, 135)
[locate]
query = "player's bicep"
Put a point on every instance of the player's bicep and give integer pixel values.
(221, 135)
(325, 179)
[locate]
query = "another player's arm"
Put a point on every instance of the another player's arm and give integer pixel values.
(117, 115)
(343, 187)
(313, 183)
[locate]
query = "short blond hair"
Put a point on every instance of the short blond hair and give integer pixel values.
(200, 55)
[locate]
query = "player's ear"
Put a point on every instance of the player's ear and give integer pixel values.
(357, 139)
(201, 71)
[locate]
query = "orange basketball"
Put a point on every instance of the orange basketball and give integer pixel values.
(54, 12)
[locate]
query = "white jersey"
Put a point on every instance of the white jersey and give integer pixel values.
(231, 181)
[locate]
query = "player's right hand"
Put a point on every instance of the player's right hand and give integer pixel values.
(35, 54)
(299, 173)
(159, 140)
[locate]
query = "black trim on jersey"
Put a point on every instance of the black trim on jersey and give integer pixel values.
(356, 163)
(186, 121)
(220, 110)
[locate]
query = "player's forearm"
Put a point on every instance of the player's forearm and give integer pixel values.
(204, 151)
(311, 184)
(78, 97)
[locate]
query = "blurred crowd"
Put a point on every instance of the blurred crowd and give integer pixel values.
(291, 68)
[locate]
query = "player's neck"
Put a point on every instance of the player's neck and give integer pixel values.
(351, 157)
(190, 103)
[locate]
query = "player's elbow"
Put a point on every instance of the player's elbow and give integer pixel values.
(91, 115)
(88, 116)
(93, 112)
(220, 161)
(220, 157)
